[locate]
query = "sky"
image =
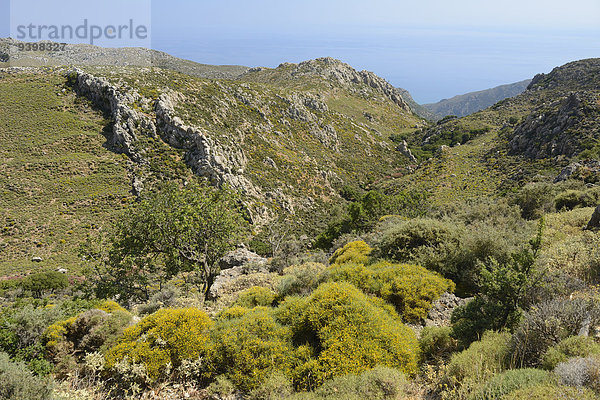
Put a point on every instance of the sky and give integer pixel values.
(434, 48)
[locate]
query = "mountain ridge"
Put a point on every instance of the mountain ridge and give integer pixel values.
(469, 103)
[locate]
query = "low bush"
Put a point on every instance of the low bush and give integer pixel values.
(250, 345)
(69, 341)
(165, 298)
(21, 334)
(437, 344)
(571, 199)
(276, 386)
(548, 323)
(354, 252)
(481, 361)
(535, 200)
(503, 294)
(256, 296)
(574, 346)
(551, 392)
(380, 383)
(580, 372)
(339, 330)
(410, 288)
(576, 255)
(301, 279)
(221, 389)
(509, 381)
(160, 343)
(431, 243)
(18, 383)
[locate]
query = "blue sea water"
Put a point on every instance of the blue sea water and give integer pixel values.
(431, 63)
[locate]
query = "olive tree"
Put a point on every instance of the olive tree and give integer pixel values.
(171, 231)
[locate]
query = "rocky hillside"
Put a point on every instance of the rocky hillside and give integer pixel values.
(284, 148)
(530, 136)
(469, 103)
(418, 109)
(97, 137)
(84, 54)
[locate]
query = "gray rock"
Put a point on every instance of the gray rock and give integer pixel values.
(227, 276)
(405, 151)
(594, 222)
(240, 257)
(37, 259)
(441, 310)
(583, 168)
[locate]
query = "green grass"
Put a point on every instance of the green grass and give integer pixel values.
(57, 182)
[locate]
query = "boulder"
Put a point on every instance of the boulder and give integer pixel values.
(37, 259)
(441, 310)
(240, 257)
(594, 223)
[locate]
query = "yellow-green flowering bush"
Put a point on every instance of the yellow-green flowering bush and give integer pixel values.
(339, 330)
(249, 345)
(110, 306)
(67, 342)
(256, 296)
(354, 252)
(410, 288)
(162, 341)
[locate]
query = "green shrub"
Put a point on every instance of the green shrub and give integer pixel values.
(21, 334)
(380, 383)
(44, 282)
(574, 346)
(69, 341)
(301, 279)
(256, 296)
(339, 330)
(548, 323)
(249, 345)
(535, 200)
(363, 214)
(355, 252)
(222, 388)
(571, 199)
(276, 386)
(436, 344)
(503, 293)
(165, 298)
(428, 242)
(482, 360)
(551, 392)
(18, 383)
(509, 381)
(162, 341)
(410, 288)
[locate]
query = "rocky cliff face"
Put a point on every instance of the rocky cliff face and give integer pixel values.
(335, 72)
(283, 150)
(565, 118)
(206, 158)
(551, 130)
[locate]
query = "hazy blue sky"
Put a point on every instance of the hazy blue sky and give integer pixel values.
(434, 48)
